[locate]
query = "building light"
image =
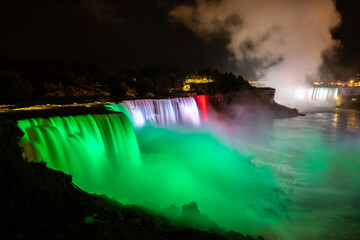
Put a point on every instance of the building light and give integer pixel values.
(194, 80)
(186, 87)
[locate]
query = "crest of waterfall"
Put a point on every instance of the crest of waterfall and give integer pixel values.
(161, 112)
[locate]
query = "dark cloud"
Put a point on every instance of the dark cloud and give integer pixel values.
(105, 32)
(102, 10)
(345, 62)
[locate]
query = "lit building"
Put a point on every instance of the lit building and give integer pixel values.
(196, 79)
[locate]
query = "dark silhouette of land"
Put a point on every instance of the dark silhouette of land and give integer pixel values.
(45, 81)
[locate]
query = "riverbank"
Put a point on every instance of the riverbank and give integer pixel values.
(351, 104)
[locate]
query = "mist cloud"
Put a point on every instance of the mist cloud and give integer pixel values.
(282, 39)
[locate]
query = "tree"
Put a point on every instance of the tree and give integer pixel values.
(13, 85)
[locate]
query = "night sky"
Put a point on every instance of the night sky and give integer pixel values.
(349, 34)
(113, 33)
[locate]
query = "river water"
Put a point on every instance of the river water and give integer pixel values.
(295, 178)
(315, 161)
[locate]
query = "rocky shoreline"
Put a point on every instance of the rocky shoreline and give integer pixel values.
(255, 103)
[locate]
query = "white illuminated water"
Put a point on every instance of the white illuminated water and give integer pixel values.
(305, 98)
(162, 112)
(320, 94)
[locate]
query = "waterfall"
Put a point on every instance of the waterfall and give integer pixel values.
(89, 146)
(322, 94)
(162, 112)
(101, 146)
(102, 153)
(201, 103)
(317, 94)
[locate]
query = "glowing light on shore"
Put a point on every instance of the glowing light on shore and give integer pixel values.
(258, 83)
(198, 80)
(11, 108)
(351, 83)
(195, 80)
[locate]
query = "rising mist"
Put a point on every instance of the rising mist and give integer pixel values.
(283, 41)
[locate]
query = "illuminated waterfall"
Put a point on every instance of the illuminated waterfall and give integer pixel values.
(317, 94)
(102, 153)
(201, 102)
(162, 112)
(88, 145)
(268, 181)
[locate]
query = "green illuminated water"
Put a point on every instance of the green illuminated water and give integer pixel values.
(286, 179)
(93, 148)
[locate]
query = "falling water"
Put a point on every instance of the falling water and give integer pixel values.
(317, 94)
(202, 105)
(308, 98)
(162, 112)
(90, 147)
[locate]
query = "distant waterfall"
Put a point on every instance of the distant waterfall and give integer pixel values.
(162, 112)
(322, 94)
(317, 94)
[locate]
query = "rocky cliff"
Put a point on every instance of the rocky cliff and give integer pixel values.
(258, 102)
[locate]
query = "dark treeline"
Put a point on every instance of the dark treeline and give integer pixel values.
(54, 80)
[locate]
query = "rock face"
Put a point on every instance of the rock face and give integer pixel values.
(258, 102)
(191, 217)
(190, 210)
(261, 95)
(351, 104)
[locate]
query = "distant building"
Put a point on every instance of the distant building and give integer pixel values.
(258, 83)
(192, 80)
